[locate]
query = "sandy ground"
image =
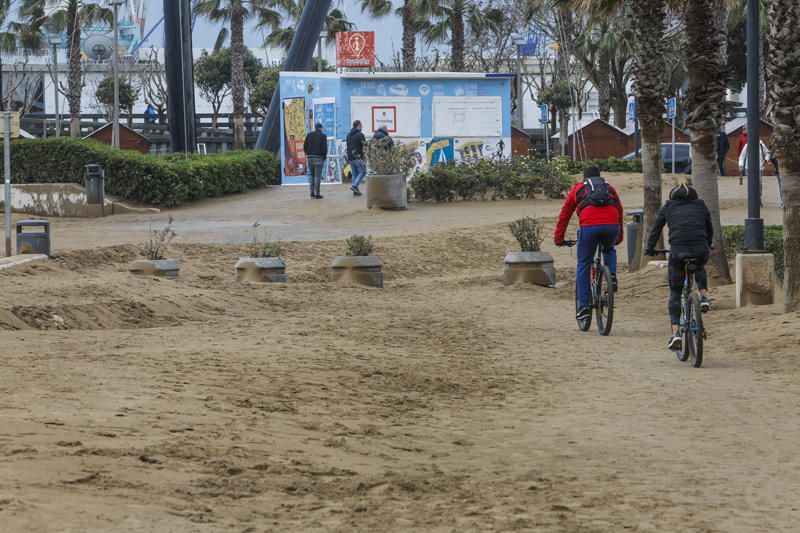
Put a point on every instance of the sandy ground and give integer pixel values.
(444, 402)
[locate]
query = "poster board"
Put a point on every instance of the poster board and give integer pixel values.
(294, 132)
(355, 49)
(325, 114)
(400, 114)
(467, 116)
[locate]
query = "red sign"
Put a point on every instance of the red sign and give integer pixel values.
(355, 49)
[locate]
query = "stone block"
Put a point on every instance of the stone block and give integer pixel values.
(163, 268)
(529, 267)
(364, 270)
(261, 270)
(755, 279)
(387, 192)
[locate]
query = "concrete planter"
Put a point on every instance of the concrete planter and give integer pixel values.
(165, 268)
(387, 192)
(364, 270)
(261, 270)
(529, 267)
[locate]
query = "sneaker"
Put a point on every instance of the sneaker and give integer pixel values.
(614, 282)
(675, 343)
(318, 196)
(705, 305)
(313, 195)
(355, 190)
(583, 313)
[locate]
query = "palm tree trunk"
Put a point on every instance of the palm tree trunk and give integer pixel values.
(620, 105)
(705, 102)
(604, 87)
(457, 41)
(409, 36)
(784, 73)
(237, 73)
(75, 76)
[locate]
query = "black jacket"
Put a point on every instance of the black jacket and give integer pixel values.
(316, 144)
(688, 219)
(381, 135)
(723, 145)
(355, 144)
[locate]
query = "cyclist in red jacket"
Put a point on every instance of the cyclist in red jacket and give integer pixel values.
(600, 216)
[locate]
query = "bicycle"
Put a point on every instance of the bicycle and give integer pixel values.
(691, 328)
(601, 294)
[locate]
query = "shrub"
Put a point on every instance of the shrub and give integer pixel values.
(385, 160)
(773, 242)
(359, 245)
(167, 180)
(612, 164)
(529, 233)
(158, 240)
(516, 177)
(259, 248)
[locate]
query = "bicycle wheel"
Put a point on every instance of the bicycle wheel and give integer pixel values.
(604, 306)
(583, 325)
(697, 331)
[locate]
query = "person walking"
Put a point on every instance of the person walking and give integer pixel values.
(723, 146)
(382, 136)
(316, 150)
(355, 156)
(742, 142)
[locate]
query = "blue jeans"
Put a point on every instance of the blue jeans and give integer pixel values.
(589, 237)
(359, 170)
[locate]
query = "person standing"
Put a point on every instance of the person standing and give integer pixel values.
(316, 149)
(742, 142)
(355, 156)
(723, 146)
(382, 136)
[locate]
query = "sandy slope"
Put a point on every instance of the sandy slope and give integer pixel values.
(444, 402)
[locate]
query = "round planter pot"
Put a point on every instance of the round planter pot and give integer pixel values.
(529, 267)
(387, 192)
(165, 268)
(261, 270)
(364, 270)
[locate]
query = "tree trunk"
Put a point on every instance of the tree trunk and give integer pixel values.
(75, 76)
(620, 106)
(409, 36)
(705, 103)
(457, 41)
(651, 170)
(564, 130)
(237, 73)
(604, 88)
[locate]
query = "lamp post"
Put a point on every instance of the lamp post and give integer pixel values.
(319, 51)
(55, 40)
(753, 224)
(519, 41)
(115, 69)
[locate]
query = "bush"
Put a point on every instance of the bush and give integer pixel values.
(773, 242)
(516, 177)
(385, 160)
(529, 233)
(167, 180)
(359, 246)
(263, 249)
(612, 164)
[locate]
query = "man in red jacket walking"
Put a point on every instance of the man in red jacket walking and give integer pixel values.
(600, 216)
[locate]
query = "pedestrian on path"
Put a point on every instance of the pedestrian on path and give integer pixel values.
(382, 137)
(723, 146)
(355, 155)
(316, 150)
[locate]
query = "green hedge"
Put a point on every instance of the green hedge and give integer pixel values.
(167, 180)
(612, 164)
(773, 242)
(516, 177)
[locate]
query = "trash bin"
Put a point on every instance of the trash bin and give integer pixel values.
(635, 239)
(94, 178)
(33, 242)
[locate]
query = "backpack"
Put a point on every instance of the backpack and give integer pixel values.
(595, 192)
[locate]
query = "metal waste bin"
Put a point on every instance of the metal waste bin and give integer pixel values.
(635, 239)
(94, 178)
(33, 242)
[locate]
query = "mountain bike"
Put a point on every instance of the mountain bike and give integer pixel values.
(691, 328)
(601, 294)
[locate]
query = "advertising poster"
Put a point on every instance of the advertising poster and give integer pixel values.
(294, 131)
(384, 116)
(440, 150)
(355, 49)
(325, 114)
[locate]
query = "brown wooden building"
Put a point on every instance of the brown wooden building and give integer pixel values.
(128, 138)
(520, 142)
(596, 139)
(666, 136)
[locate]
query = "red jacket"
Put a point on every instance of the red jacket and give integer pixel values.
(742, 144)
(590, 215)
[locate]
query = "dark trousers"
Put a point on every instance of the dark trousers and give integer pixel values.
(589, 238)
(722, 164)
(699, 252)
(315, 164)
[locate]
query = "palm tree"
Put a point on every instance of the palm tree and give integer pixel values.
(705, 102)
(378, 9)
(451, 19)
(236, 13)
(784, 67)
(56, 16)
(8, 44)
(290, 12)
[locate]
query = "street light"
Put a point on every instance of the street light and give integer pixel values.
(753, 224)
(115, 69)
(55, 40)
(519, 41)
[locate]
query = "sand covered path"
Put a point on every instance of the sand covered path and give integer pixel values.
(445, 402)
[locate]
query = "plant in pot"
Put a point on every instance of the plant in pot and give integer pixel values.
(155, 249)
(388, 164)
(359, 265)
(530, 264)
(263, 263)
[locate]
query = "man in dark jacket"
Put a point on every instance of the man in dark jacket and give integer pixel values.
(723, 146)
(691, 235)
(355, 156)
(382, 136)
(316, 149)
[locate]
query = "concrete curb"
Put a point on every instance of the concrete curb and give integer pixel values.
(17, 260)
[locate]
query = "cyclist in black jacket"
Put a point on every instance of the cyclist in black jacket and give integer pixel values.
(691, 235)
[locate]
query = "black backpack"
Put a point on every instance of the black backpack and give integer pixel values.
(595, 192)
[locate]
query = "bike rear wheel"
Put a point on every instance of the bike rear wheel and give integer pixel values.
(695, 331)
(583, 325)
(604, 305)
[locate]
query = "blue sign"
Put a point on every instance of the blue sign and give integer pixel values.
(632, 111)
(544, 114)
(672, 108)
